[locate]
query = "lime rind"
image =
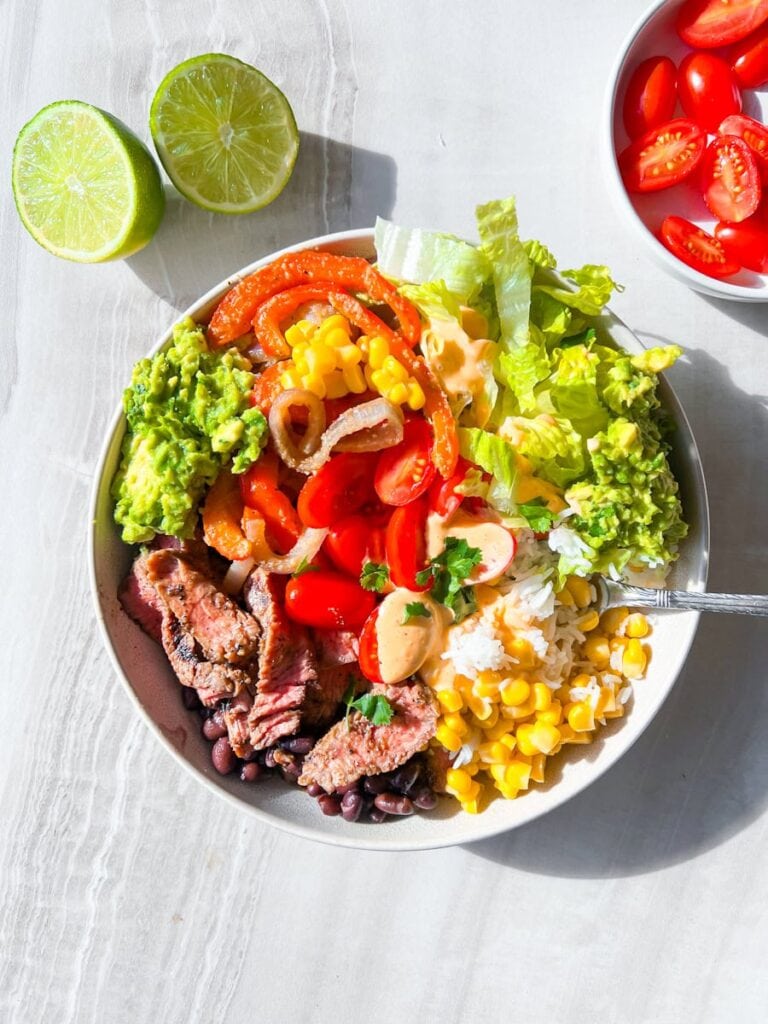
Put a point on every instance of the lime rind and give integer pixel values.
(225, 134)
(86, 188)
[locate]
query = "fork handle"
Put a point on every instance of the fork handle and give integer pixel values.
(734, 604)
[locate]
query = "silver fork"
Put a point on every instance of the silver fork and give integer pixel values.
(611, 594)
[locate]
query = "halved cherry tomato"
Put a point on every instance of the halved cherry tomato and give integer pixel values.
(731, 179)
(327, 600)
(368, 657)
(695, 247)
(405, 471)
(355, 540)
(443, 498)
(754, 134)
(749, 59)
(747, 243)
(708, 23)
(663, 156)
(259, 490)
(708, 89)
(406, 544)
(650, 97)
(342, 486)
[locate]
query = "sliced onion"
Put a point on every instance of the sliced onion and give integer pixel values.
(236, 575)
(369, 427)
(304, 550)
(292, 449)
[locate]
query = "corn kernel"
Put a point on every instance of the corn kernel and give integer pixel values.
(300, 358)
(454, 721)
(635, 660)
(537, 767)
(320, 360)
(472, 768)
(335, 385)
(290, 379)
(508, 792)
(497, 772)
(498, 730)
(565, 597)
(473, 792)
(563, 693)
(542, 697)
(569, 735)
(516, 692)
(517, 774)
(522, 652)
(481, 709)
(348, 355)
(448, 738)
(471, 806)
(597, 650)
(354, 379)
(314, 382)
(607, 701)
(589, 621)
(583, 679)
(381, 380)
(395, 369)
(525, 742)
(336, 338)
(398, 393)
(334, 322)
(295, 334)
(613, 619)
(617, 712)
(618, 643)
(543, 737)
(378, 350)
(553, 715)
(579, 588)
(509, 741)
(519, 711)
(581, 717)
(450, 700)
(459, 781)
(363, 343)
(636, 626)
(369, 372)
(487, 686)
(416, 396)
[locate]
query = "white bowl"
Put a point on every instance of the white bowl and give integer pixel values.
(655, 35)
(143, 668)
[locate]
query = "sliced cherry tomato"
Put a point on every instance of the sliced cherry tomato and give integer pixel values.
(731, 179)
(327, 600)
(749, 59)
(663, 156)
(650, 97)
(405, 471)
(406, 544)
(708, 23)
(443, 498)
(368, 657)
(259, 490)
(695, 247)
(339, 488)
(747, 243)
(754, 134)
(708, 89)
(355, 540)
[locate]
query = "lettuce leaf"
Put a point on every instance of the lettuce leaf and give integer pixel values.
(500, 243)
(595, 286)
(434, 300)
(497, 457)
(553, 447)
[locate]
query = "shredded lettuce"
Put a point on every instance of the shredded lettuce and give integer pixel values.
(499, 241)
(552, 446)
(434, 300)
(497, 457)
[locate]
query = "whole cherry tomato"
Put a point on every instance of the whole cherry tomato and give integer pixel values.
(708, 89)
(327, 600)
(746, 243)
(749, 59)
(651, 96)
(342, 486)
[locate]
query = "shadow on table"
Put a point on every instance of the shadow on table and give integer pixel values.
(333, 187)
(751, 314)
(699, 774)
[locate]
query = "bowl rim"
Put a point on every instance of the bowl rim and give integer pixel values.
(378, 839)
(714, 287)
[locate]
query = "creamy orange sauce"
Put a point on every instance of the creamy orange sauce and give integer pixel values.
(403, 647)
(460, 362)
(490, 537)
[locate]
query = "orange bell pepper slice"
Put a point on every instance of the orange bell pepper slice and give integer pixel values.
(222, 519)
(266, 387)
(259, 491)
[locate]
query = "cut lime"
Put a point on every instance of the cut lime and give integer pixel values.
(225, 134)
(85, 187)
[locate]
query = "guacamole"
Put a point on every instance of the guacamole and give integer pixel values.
(188, 416)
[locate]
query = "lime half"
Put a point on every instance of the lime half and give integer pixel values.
(225, 134)
(85, 187)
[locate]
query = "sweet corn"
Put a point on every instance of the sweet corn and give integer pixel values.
(332, 324)
(579, 588)
(525, 742)
(354, 379)
(634, 662)
(581, 680)
(519, 711)
(335, 385)
(543, 737)
(459, 781)
(320, 359)
(509, 741)
(565, 597)
(299, 332)
(290, 379)
(416, 396)
(537, 767)
(553, 715)
(515, 692)
(597, 650)
(581, 717)
(314, 382)
(542, 697)
(397, 394)
(378, 350)
(471, 806)
(473, 791)
(481, 709)
(497, 772)
(487, 685)
(395, 369)
(589, 621)
(517, 774)
(448, 738)
(636, 626)
(522, 652)
(498, 730)
(456, 723)
(348, 354)
(569, 735)
(450, 700)
(613, 619)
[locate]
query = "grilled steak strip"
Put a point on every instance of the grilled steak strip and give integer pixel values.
(337, 667)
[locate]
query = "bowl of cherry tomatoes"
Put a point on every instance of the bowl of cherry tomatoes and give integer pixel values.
(686, 142)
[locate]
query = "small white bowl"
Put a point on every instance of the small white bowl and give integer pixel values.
(655, 35)
(143, 668)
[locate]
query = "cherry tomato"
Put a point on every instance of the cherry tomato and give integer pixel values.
(708, 23)
(731, 179)
(695, 247)
(746, 243)
(355, 540)
(342, 486)
(663, 156)
(368, 657)
(406, 544)
(754, 134)
(443, 498)
(405, 471)
(708, 89)
(749, 59)
(327, 600)
(651, 95)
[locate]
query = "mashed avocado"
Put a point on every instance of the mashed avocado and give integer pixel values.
(188, 415)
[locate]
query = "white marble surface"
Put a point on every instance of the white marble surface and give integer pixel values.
(130, 894)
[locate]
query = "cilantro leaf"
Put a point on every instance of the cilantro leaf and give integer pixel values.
(373, 706)
(415, 609)
(303, 567)
(449, 572)
(538, 517)
(374, 576)
(464, 603)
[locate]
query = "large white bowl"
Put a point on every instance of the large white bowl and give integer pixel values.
(142, 667)
(654, 35)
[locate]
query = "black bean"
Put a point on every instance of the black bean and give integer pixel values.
(329, 805)
(314, 789)
(405, 778)
(298, 744)
(269, 759)
(351, 787)
(189, 699)
(376, 815)
(425, 799)
(291, 772)
(393, 803)
(223, 756)
(351, 805)
(375, 784)
(213, 729)
(250, 772)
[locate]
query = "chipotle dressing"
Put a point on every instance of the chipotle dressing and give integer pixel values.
(404, 646)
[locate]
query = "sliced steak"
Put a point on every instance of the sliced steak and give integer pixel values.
(357, 747)
(141, 601)
(287, 662)
(213, 680)
(223, 631)
(236, 721)
(337, 667)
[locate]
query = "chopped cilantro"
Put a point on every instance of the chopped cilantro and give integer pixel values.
(415, 609)
(449, 572)
(538, 517)
(374, 576)
(373, 706)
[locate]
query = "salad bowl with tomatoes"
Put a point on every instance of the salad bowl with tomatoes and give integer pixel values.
(405, 532)
(685, 142)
